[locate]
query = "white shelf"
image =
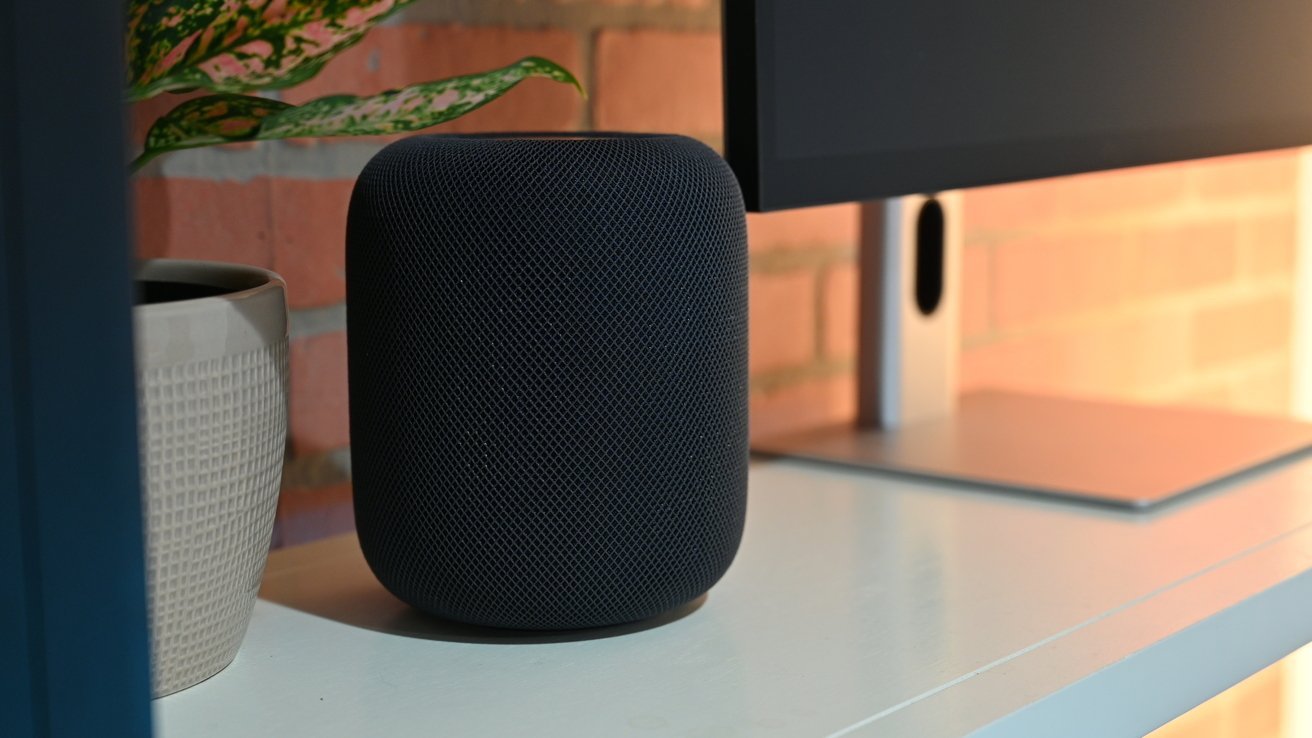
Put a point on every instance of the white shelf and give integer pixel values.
(859, 605)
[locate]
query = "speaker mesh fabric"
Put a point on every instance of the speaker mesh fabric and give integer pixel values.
(548, 374)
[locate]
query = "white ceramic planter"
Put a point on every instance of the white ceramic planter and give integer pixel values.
(212, 379)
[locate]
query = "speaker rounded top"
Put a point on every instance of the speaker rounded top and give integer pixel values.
(558, 136)
(599, 190)
(601, 162)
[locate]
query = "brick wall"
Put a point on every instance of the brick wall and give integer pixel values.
(1166, 283)
(1163, 283)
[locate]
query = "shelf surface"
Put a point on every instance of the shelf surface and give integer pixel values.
(859, 605)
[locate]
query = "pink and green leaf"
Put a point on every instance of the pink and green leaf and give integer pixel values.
(208, 121)
(240, 45)
(225, 118)
(409, 108)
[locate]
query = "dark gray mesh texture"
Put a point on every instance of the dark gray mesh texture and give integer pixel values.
(548, 375)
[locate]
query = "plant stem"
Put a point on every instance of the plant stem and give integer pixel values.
(143, 160)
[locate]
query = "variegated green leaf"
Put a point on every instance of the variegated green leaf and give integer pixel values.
(225, 118)
(409, 108)
(161, 33)
(240, 45)
(207, 121)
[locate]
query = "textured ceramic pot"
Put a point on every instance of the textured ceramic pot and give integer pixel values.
(212, 382)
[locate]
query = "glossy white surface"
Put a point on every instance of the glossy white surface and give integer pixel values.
(859, 605)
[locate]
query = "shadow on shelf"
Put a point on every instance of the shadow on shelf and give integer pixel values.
(357, 599)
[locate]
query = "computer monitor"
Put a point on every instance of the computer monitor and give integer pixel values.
(845, 100)
(831, 101)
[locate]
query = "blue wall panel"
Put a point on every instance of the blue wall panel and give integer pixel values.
(73, 652)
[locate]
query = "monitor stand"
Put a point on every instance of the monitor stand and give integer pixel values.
(911, 422)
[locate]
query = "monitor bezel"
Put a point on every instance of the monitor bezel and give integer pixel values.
(773, 183)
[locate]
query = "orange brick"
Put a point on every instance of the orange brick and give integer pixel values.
(1249, 175)
(840, 311)
(309, 229)
(1270, 243)
(1211, 719)
(782, 320)
(1254, 708)
(309, 514)
(396, 56)
(1123, 191)
(823, 226)
(1032, 364)
(1260, 706)
(1040, 278)
(1135, 357)
(1010, 207)
(662, 81)
(1131, 358)
(1267, 391)
(976, 313)
(1186, 257)
(203, 219)
(1242, 329)
(318, 394)
(1027, 205)
(804, 405)
(1212, 395)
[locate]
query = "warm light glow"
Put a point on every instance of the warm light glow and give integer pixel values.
(1297, 722)
(1301, 392)
(1273, 703)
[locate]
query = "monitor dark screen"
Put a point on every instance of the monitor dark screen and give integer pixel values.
(843, 100)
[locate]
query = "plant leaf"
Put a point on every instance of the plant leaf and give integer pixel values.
(206, 121)
(225, 118)
(409, 108)
(160, 33)
(240, 45)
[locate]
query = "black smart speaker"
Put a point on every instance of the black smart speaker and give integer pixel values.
(548, 374)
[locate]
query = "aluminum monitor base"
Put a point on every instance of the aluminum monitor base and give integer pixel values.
(1110, 453)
